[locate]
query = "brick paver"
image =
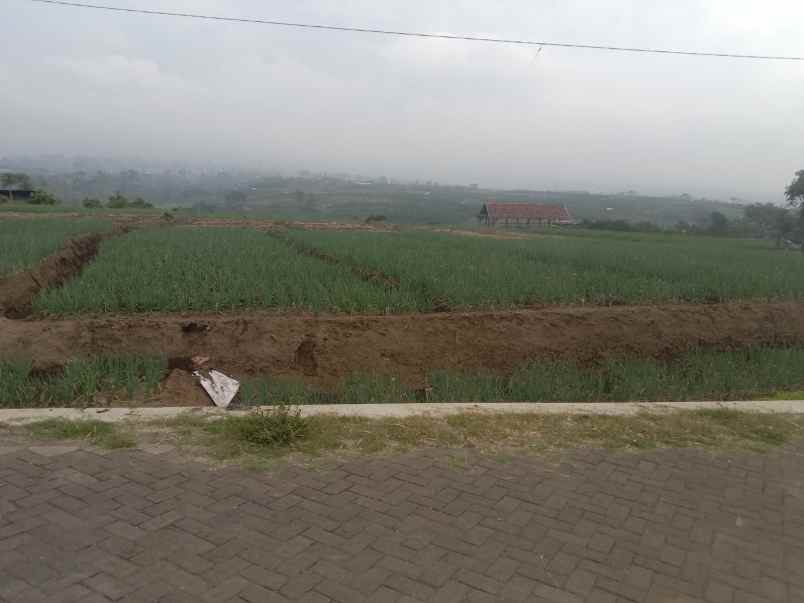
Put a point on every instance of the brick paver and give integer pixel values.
(670, 526)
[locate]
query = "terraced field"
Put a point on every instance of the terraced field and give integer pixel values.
(392, 272)
(320, 314)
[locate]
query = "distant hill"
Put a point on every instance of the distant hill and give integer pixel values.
(351, 198)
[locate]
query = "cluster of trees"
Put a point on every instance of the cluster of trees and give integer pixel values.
(117, 201)
(783, 224)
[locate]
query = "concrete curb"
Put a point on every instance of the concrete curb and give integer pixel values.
(379, 411)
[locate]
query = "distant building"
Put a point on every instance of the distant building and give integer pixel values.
(15, 194)
(524, 214)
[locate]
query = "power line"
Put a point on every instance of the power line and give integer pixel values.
(414, 34)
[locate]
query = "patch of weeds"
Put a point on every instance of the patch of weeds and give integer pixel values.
(700, 374)
(17, 390)
(788, 395)
(98, 433)
(279, 427)
(271, 391)
(81, 381)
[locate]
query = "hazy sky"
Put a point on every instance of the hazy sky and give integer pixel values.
(79, 81)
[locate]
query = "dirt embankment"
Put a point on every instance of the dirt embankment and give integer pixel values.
(324, 349)
(18, 290)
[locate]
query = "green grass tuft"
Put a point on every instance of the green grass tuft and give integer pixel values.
(274, 428)
(98, 433)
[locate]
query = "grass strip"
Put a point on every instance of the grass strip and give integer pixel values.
(700, 375)
(281, 431)
(97, 433)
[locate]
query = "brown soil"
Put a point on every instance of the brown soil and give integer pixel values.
(133, 220)
(269, 225)
(324, 349)
(179, 388)
(18, 290)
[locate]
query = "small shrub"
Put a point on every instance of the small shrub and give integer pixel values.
(43, 198)
(90, 203)
(279, 427)
(141, 203)
(117, 201)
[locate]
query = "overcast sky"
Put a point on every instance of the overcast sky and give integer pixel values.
(84, 82)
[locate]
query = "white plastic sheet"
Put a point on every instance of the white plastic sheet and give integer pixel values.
(221, 388)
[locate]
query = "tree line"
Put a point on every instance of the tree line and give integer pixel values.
(783, 224)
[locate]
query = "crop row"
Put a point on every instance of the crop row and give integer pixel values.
(24, 242)
(210, 270)
(227, 269)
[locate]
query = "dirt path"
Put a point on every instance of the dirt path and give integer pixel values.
(327, 348)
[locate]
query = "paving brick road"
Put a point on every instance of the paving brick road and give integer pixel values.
(667, 526)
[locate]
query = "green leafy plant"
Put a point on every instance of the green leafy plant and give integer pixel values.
(278, 427)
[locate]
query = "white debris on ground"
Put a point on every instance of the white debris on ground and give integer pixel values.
(221, 388)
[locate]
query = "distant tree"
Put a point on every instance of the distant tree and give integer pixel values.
(771, 220)
(43, 198)
(18, 179)
(718, 223)
(117, 201)
(795, 197)
(140, 203)
(91, 203)
(795, 190)
(299, 197)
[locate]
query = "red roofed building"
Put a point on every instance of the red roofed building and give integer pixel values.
(524, 214)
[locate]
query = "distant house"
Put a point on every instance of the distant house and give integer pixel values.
(15, 194)
(524, 214)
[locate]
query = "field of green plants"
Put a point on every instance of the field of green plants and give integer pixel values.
(751, 373)
(24, 242)
(210, 269)
(460, 272)
(227, 269)
(80, 381)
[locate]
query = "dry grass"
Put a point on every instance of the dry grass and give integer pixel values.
(248, 438)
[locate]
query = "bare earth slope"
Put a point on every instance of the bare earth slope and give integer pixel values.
(326, 348)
